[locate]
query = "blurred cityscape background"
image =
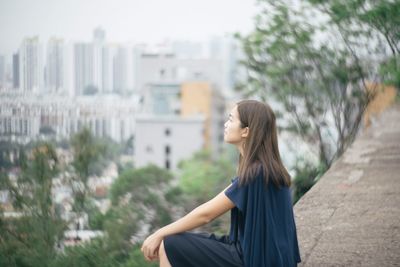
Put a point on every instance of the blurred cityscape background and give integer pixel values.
(103, 140)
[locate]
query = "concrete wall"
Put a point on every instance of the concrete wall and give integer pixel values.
(351, 217)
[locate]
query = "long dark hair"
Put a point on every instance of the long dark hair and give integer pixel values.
(260, 149)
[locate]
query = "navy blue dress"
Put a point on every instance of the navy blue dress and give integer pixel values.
(263, 223)
(262, 232)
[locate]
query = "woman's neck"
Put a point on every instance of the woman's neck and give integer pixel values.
(240, 148)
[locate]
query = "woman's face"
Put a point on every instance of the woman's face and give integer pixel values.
(233, 132)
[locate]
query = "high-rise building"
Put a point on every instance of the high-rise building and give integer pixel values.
(69, 69)
(31, 65)
(99, 37)
(120, 69)
(15, 73)
(225, 48)
(84, 69)
(108, 53)
(2, 71)
(55, 66)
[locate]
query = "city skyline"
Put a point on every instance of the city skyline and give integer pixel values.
(131, 21)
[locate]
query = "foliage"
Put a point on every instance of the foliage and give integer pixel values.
(306, 176)
(94, 254)
(90, 157)
(201, 178)
(317, 70)
(372, 25)
(137, 200)
(7, 149)
(390, 69)
(321, 87)
(86, 150)
(139, 181)
(34, 238)
(136, 259)
(142, 190)
(30, 239)
(99, 253)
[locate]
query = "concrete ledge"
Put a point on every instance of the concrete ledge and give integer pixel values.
(351, 217)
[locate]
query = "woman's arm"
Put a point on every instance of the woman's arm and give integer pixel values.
(201, 215)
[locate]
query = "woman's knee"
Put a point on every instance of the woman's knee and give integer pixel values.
(169, 243)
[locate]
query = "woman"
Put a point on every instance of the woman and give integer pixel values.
(263, 231)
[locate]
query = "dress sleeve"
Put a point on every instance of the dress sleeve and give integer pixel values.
(238, 194)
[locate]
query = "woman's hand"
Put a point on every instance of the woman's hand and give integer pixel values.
(151, 245)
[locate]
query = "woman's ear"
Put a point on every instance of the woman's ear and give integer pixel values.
(245, 132)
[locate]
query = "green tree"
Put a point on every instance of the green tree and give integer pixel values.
(370, 25)
(306, 176)
(144, 190)
(136, 259)
(97, 253)
(138, 207)
(202, 177)
(10, 154)
(30, 238)
(87, 151)
(321, 86)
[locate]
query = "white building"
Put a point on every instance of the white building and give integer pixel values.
(15, 71)
(56, 68)
(120, 70)
(166, 140)
(226, 49)
(161, 99)
(2, 71)
(108, 54)
(31, 65)
(166, 68)
(83, 67)
(99, 36)
(101, 67)
(27, 117)
(214, 61)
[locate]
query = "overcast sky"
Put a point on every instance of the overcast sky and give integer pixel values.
(147, 21)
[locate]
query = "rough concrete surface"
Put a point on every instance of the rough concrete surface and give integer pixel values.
(351, 217)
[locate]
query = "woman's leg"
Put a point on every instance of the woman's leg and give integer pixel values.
(164, 262)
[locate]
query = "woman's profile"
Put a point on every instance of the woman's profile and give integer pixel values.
(262, 231)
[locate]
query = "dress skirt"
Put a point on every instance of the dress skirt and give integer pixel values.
(202, 250)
